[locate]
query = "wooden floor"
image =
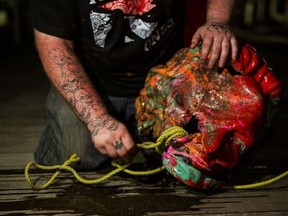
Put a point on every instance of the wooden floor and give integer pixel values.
(23, 88)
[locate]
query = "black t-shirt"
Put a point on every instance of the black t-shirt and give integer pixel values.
(118, 41)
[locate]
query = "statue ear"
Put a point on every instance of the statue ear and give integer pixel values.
(249, 62)
(247, 59)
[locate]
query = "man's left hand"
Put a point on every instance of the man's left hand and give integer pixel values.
(217, 40)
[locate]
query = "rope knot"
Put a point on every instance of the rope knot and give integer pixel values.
(164, 139)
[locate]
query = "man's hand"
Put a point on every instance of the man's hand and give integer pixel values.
(113, 139)
(217, 39)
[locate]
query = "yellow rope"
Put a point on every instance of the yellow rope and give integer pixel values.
(259, 184)
(66, 167)
(164, 138)
(169, 134)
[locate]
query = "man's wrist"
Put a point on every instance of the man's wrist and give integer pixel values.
(103, 121)
(219, 11)
(219, 26)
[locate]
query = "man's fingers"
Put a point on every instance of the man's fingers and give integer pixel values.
(102, 151)
(195, 39)
(215, 53)
(120, 148)
(128, 141)
(206, 48)
(234, 48)
(225, 50)
(111, 151)
(124, 144)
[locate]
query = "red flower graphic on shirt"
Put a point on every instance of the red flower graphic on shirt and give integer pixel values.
(131, 7)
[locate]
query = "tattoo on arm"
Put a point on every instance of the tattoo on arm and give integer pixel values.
(220, 27)
(78, 90)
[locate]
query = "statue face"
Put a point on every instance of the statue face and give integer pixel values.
(223, 112)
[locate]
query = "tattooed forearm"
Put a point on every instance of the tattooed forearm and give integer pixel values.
(67, 74)
(79, 91)
(69, 67)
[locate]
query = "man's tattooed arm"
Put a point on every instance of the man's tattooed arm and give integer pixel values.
(68, 76)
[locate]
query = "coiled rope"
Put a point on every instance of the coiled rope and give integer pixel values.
(167, 135)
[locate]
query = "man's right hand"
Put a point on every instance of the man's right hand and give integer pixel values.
(113, 139)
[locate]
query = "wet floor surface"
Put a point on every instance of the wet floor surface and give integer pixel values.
(130, 196)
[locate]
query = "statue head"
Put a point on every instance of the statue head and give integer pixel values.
(224, 110)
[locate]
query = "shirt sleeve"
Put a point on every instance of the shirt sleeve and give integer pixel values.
(59, 18)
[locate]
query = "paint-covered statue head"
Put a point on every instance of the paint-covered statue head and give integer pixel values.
(224, 111)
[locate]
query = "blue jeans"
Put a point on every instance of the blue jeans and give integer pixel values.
(65, 133)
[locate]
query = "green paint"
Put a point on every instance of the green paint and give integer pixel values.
(183, 170)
